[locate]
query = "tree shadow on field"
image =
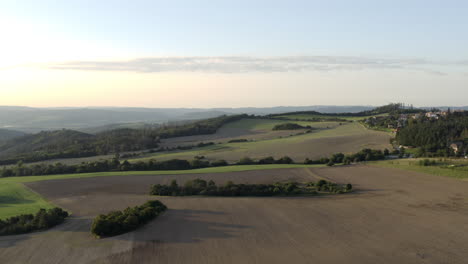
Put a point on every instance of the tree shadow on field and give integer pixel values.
(185, 226)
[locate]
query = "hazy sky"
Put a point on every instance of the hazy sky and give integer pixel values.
(233, 53)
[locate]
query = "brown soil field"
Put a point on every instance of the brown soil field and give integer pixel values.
(394, 216)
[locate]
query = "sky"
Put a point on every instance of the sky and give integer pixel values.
(233, 53)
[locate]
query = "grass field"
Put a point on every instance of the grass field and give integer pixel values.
(16, 199)
(328, 138)
(459, 169)
(250, 129)
(346, 138)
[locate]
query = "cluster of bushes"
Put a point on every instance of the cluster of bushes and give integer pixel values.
(240, 140)
(202, 187)
(290, 126)
(119, 222)
(327, 186)
(427, 162)
(26, 223)
(266, 160)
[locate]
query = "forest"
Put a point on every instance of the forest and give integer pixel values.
(434, 136)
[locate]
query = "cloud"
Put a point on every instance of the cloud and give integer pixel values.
(244, 64)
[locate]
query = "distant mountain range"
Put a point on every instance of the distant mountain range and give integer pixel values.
(30, 120)
(95, 119)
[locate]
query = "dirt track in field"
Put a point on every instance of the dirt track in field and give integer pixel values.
(394, 217)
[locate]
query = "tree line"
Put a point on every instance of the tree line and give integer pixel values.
(363, 155)
(27, 223)
(119, 222)
(202, 187)
(177, 164)
(290, 126)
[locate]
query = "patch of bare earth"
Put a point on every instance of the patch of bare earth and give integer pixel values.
(393, 217)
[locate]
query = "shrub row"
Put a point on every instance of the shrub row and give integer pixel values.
(176, 164)
(202, 187)
(427, 162)
(363, 155)
(27, 223)
(290, 126)
(240, 140)
(119, 222)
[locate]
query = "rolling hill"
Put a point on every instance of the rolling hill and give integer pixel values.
(33, 120)
(73, 144)
(45, 143)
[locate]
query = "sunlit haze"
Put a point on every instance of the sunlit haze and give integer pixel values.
(233, 53)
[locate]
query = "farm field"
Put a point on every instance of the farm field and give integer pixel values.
(455, 168)
(250, 129)
(346, 138)
(17, 199)
(326, 139)
(431, 213)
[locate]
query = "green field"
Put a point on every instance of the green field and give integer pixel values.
(454, 168)
(346, 138)
(17, 199)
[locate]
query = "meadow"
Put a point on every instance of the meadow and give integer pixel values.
(16, 199)
(329, 138)
(455, 168)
